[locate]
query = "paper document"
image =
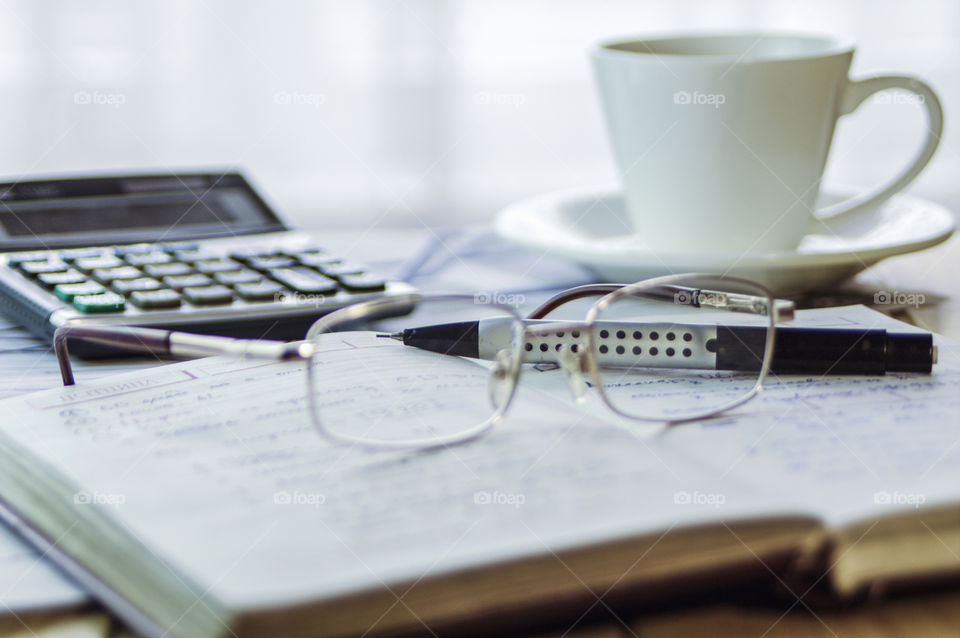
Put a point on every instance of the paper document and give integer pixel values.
(225, 450)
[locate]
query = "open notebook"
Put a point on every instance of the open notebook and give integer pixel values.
(196, 500)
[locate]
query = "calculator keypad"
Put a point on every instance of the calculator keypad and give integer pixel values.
(167, 276)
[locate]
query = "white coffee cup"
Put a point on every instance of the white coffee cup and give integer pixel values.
(722, 139)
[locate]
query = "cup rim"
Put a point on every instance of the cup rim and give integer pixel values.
(833, 45)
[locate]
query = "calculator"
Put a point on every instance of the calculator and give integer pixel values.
(198, 252)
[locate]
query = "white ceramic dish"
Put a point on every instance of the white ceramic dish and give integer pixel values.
(590, 227)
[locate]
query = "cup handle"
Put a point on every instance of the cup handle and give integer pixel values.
(859, 90)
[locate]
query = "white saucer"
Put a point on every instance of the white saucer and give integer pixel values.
(589, 226)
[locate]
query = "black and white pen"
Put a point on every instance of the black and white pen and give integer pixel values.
(712, 347)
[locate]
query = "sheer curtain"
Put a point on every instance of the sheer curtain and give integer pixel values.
(402, 112)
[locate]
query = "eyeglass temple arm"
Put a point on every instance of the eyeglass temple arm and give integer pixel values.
(783, 308)
(589, 290)
(168, 343)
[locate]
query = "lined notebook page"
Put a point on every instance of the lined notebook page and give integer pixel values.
(843, 448)
(847, 449)
(216, 467)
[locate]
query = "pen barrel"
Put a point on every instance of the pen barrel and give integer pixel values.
(459, 339)
(825, 351)
(627, 344)
(708, 347)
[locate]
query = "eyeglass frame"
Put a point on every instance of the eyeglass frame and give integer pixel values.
(161, 342)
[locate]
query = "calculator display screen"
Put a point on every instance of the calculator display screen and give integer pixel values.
(75, 212)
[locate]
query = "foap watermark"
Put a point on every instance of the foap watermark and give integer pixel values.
(899, 97)
(698, 98)
(510, 499)
(713, 499)
(296, 497)
(699, 298)
(485, 297)
(899, 498)
(897, 298)
(494, 98)
(299, 98)
(99, 98)
(112, 499)
(300, 298)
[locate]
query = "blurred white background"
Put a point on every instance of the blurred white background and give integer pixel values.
(405, 112)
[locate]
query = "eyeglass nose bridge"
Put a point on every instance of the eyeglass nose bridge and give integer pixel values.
(575, 370)
(577, 364)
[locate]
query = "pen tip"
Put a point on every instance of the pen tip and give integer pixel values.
(395, 335)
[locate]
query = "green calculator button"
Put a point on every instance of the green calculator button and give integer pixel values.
(105, 302)
(67, 292)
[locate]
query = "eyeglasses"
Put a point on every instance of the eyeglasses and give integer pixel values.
(670, 349)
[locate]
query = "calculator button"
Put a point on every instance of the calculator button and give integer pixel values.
(67, 292)
(105, 302)
(252, 253)
(92, 263)
(164, 270)
(126, 286)
(134, 249)
(341, 269)
(219, 265)
(261, 291)
(51, 279)
(303, 280)
(19, 258)
(180, 245)
(80, 253)
(196, 254)
(143, 259)
(318, 260)
(40, 267)
(238, 277)
(164, 298)
(308, 250)
(366, 282)
(266, 263)
(187, 281)
(208, 295)
(107, 275)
